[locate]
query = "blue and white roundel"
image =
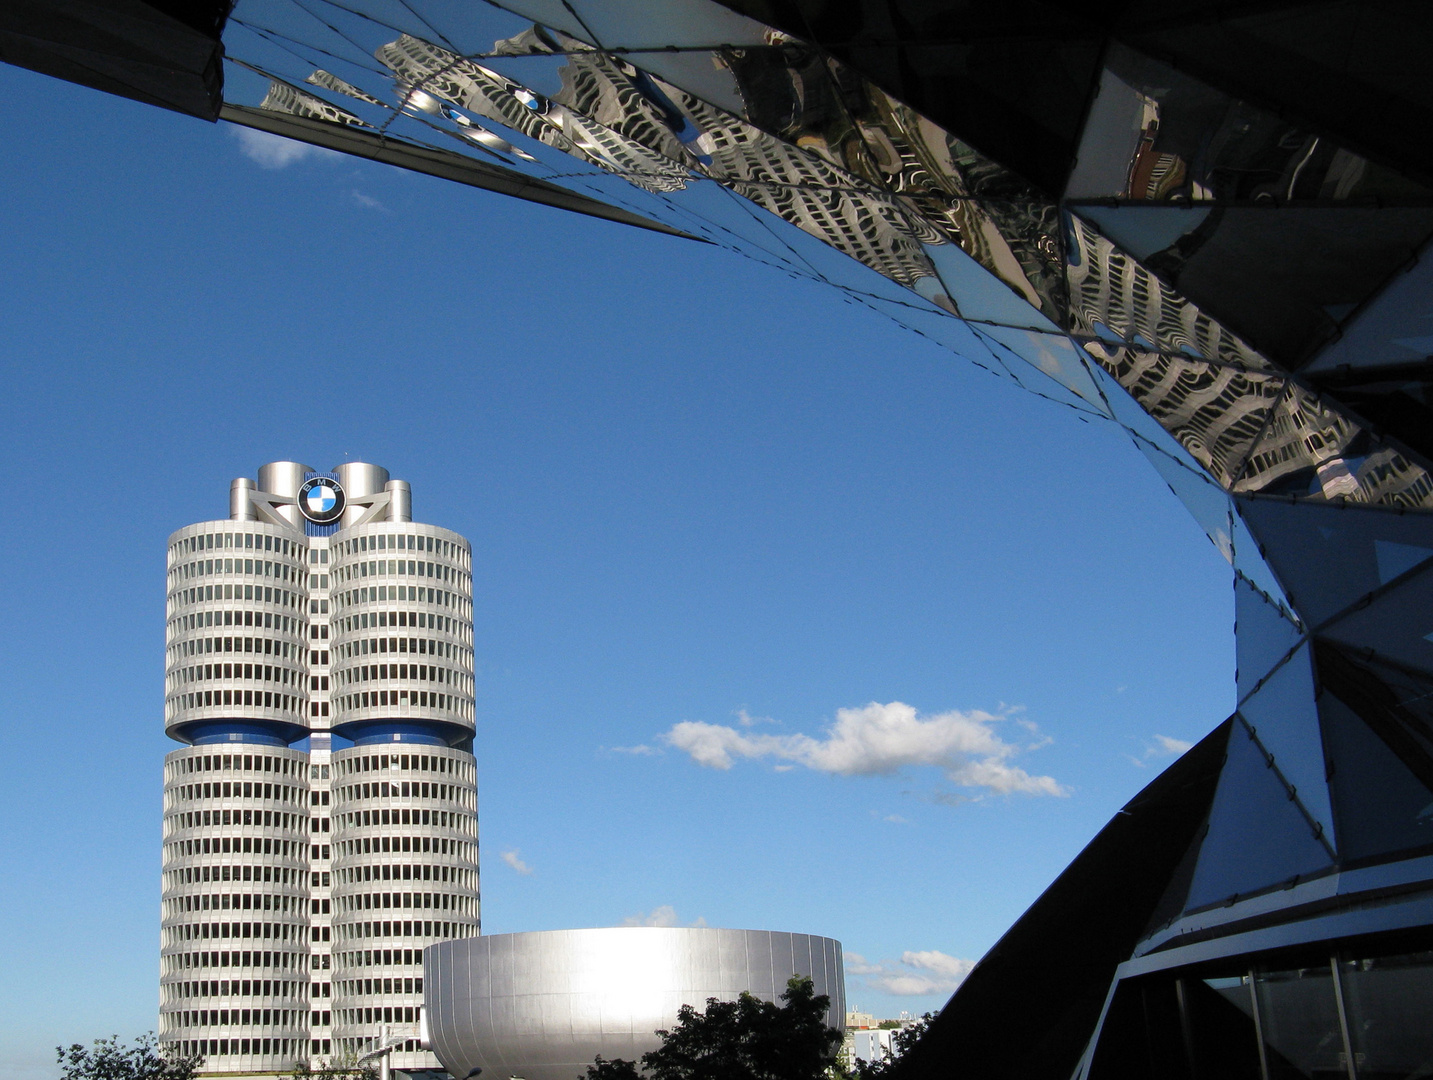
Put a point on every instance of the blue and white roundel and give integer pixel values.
(321, 500)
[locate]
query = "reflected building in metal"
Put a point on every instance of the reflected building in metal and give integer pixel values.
(543, 1005)
(320, 821)
(1206, 224)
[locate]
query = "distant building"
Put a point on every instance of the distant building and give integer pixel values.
(300, 885)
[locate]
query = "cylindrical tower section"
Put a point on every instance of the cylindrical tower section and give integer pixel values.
(235, 634)
(359, 479)
(241, 508)
(284, 478)
(402, 624)
(234, 959)
(405, 877)
(400, 505)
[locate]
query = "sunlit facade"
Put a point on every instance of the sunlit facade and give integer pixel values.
(1206, 224)
(543, 1005)
(320, 823)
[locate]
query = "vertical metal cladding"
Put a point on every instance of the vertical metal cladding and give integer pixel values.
(402, 631)
(405, 877)
(543, 1005)
(234, 949)
(405, 795)
(236, 624)
(290, 874)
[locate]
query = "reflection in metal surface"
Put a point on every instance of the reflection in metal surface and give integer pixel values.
(543, 1005)
(804, 137)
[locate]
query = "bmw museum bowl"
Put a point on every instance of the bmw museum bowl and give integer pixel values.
(543, 1005)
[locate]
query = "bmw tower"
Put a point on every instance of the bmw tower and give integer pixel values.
(320, 817)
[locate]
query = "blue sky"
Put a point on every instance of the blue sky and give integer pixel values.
(711, 508)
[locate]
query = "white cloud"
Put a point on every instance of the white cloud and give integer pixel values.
(511, 858)
(877, 740)
(642, 750)
(938, 962)
(368, 202)
(666, 915)
(916, 974)
(1163, 746)
(856, 964)
(271, 151)
(1173, 746)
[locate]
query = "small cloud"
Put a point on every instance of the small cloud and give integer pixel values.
(938, 962)
(368, 202)
(782, 768)
(856, 964)
(1173, 746)
(1163, 746)
(271, 151)
(666, 915)
(511, 858)
(918, 973)
(878, 740)
(895, 819)
(641, 750)
(745, 719)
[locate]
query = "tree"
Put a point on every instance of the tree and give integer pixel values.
(343, 1069)
(901, 1042)
(108, 1059)
(745, 1039)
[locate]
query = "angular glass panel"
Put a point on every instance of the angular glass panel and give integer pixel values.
(310, 39)
(551, 13)
(979, 294)
(1388, 1001)
(1204, 499)
(1395, 560)
(1263, 635)
(1157, 134)
(1144, 230)
(1283, 278)
(1283, 716)
(1114, 132)
(706, 75)
(455, 24)
(1257, 835)
(1109, 289)
(678, 24)
(1305, 450)
(1379, 805)
(1249, 561)
(1214, 411)
(1396, 626)
(943, 329)
(1298, 1014)
(1326, 555)
(1395, 328)
(1054, 355)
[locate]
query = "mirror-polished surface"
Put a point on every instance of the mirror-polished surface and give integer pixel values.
(543, 1005)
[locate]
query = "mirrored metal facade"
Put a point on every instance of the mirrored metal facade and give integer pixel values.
(543, 1005)
(1206, 223)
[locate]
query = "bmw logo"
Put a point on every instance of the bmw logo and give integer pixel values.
(321, 500)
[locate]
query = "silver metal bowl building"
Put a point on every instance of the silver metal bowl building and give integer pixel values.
(543, 1005)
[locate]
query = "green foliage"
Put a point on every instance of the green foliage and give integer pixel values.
(108, 1059)
(888, 1025)
(335, 1070)
(901, 1042)
(745, 1039)
(616, 1069)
